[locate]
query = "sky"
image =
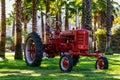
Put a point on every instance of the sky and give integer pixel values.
(9, 4)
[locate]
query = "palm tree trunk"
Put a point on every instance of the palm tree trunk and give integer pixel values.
(47, 7)
(25, 30)
(66, 18)
(57, 19)
(13, 28)
(108, 28)
(25, 26)
(83, 21)
(18, 50)
(47, 19)
(13, 33)
(77, 18)
(94, 30)
(34, 19)
(3, 30)
(60, 13)
(87, 20)
(95, 22)
(60, 17)
(88, 13)
(42, 23)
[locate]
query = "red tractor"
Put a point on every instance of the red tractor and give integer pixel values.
(68, 44)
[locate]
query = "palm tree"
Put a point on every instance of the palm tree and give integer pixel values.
(27, 13)
(9, 21)
(109, 25)
(3, 30)
(18, 50)
(99, 14)
(24, 16)
(99, 11)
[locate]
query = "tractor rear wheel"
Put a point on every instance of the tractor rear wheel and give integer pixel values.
(33, 50)
(66, 63)
(101, 63)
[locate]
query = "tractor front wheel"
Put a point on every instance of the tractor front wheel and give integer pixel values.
(101, 63)
(66, 63)
(33, 50)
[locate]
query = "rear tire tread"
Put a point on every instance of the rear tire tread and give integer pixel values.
(39, 52)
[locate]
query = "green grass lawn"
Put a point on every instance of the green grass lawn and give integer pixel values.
(49, 70)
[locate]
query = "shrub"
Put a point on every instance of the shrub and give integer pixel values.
(116, 29)
(100, 36)
(100, 32)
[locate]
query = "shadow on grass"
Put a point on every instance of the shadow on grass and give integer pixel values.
(62, 77)
(49, 70)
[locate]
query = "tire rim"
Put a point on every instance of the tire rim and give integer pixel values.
(30, 50)
(64, 63)
(100, 64)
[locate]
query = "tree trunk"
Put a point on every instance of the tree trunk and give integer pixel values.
(60, 15)
(108, 28)
(25, 30)
(66, 18)
(47, 19)
(87, 20)
(88, 24)
(13, 28)
(47, 11)
(83, 21)
(94, 30)
(3, 30)
(95, 22)
(101, 19)
(42, 23)
(13, 34)
(34, 19)
(88, 12)
(25, 26)
(77, 18)
(57, 19)
(47, 7)
(18, 50)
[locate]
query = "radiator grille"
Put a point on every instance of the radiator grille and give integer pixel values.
(82, 39)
